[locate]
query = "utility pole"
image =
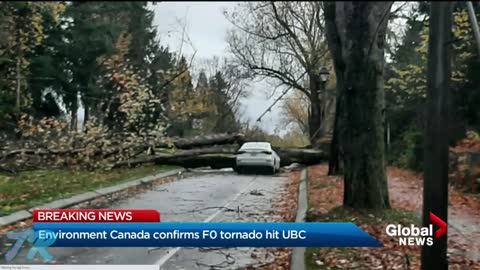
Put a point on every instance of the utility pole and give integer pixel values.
(474, 23)
(435, 185)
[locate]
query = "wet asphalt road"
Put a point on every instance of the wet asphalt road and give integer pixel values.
(204, 197)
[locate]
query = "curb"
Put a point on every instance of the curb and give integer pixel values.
(87, 196)
(298, 253)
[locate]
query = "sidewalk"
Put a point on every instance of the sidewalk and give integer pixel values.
(406, 189)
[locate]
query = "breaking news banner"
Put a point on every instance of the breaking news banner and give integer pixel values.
(142, 228)
(96, 215)
(78, 267)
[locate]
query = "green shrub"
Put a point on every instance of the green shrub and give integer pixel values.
(407, 151)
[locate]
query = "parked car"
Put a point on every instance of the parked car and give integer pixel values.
(257, 155)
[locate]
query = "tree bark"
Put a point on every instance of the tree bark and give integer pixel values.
(359, 28)
(324, 109)
(223, 158)
(18, 70)
(335, 162)
(435, 190)
(74, 117)
(315, 115)
(220, 153)
(302, 156)
(18, 85)
(209, 140)
(86, 116)
(218, 158)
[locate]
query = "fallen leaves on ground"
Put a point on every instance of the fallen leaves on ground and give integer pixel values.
(469, 144)
(405, 189)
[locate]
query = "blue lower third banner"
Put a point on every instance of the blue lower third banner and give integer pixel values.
(168, 234)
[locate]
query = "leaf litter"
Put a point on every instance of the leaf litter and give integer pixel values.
(405, 190)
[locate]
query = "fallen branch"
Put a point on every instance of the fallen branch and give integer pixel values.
(184, 152)
(215, 157)
(200, 141)
(299, 155)
(42, 152)
(218, 158)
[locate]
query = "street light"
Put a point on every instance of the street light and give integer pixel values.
(324, 74)
(322, 96)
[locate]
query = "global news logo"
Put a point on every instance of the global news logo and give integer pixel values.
(418, 236)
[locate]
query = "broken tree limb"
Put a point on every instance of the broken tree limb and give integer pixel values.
(187, 158)
(200, 141)
(300, 155)
(215, 151)
(178, 143)
(41, 152)
(223, 158)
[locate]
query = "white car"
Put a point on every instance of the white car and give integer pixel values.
(257, 155)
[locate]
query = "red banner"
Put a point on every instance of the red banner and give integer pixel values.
(96, 215)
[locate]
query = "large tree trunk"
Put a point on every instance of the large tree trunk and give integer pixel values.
(435, 190)
(325, 111)
(335, 164)
(199, 141)
(300, 155)
(86, 115)
(174, 151)
(223, 157)
(18, 85)
(356, 33)
(74, 119)
(74, 114)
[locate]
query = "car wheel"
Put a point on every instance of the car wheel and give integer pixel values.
(239, 170)
(272, 170)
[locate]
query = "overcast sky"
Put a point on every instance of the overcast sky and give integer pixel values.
(206, 28)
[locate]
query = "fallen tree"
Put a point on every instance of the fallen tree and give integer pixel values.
(164, 143)
(215, 151)
(223, 158)
(200, 141)
(300, 155)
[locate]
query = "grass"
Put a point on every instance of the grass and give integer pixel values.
(32, 188)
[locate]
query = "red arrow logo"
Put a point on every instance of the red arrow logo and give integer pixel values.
(440, 223)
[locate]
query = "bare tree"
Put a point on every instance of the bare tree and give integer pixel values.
(295, 112)
(284, 41)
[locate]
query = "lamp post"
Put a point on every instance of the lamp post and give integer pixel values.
(324, 74)
(322, 90)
